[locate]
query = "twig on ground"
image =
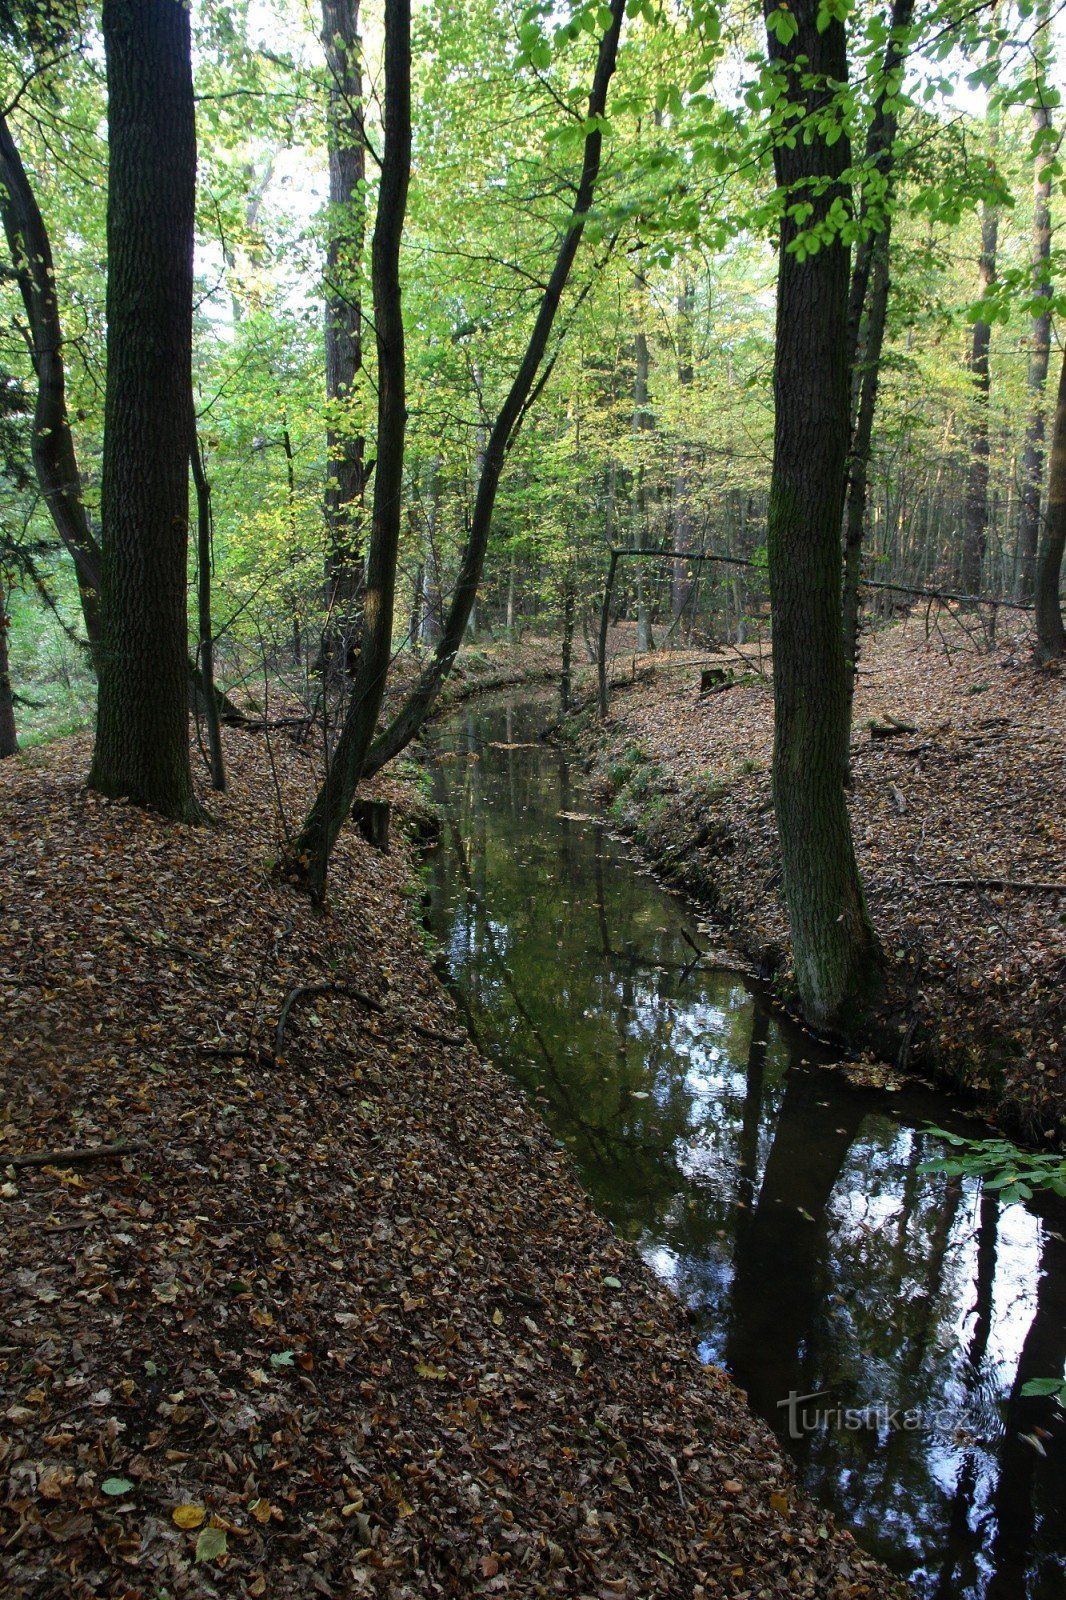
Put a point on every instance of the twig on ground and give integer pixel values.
(66, 1158)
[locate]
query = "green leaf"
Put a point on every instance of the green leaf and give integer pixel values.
(282, 1358)
(116, 1486)
(612, 1283)
(1044, 1386)
(211, 1544)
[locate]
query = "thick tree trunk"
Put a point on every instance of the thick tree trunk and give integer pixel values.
(837, 958)
(1040, 335)
(527, 383)
(142, 727)
(311, 852)
(54, 459)
(1051, 639)
(345, 448)
(8, 734)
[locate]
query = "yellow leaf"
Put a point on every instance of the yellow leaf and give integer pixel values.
(424, 1370)
(188, 1516)
(261, 1510)
(779, 1502)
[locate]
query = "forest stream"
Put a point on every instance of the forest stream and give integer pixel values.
(901, 1310)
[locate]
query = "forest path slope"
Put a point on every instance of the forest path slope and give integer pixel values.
(341, 1322)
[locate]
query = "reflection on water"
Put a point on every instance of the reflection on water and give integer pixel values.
(784, 1207)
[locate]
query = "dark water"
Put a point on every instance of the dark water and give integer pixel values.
(783, 1207)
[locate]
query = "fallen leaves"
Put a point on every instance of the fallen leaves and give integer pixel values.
(345, 1326)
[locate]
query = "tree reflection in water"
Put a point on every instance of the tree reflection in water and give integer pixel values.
(785, 1208)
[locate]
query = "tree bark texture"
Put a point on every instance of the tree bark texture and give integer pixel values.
(837, 958)
(1051, 639)
(142, 726)
(523, 390)
(345, 447)
(334, 800)
(54, 459)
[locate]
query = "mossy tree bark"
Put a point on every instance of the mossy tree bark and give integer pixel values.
(837, 957)
(142, 726)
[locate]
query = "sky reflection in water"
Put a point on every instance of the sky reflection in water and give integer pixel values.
(783, 1207)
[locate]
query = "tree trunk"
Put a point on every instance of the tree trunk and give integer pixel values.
(684, 526)
(345, 449)
(867, 313)
(8, 735)
(1040, 335)
(311, 852)
(1050, 637)
(837, 958)
(643, 422)
(432, 604)
(975, 531)
(526, 386)
(142, 726)
(53, 446)
(566, 678)
(203, 594)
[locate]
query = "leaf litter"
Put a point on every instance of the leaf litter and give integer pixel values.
(339, 1321)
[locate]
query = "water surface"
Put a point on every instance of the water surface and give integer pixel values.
(785, 1208)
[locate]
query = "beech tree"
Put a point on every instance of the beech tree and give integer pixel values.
(837, 957)
(142, 732)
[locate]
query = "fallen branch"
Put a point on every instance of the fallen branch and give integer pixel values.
(435, 1035)
(67, 1158)
(303, 991)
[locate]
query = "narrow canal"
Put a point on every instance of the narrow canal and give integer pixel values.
(786, 1209)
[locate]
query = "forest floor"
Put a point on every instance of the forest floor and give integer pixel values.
(959, 820)
(339, 1320)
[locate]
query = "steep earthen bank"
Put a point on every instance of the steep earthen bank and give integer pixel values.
(957, 812)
